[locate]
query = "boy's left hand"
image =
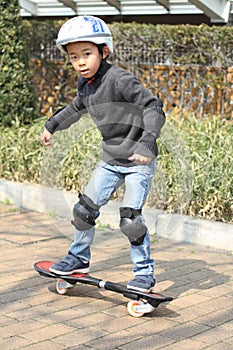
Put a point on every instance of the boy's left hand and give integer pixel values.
(139, 159)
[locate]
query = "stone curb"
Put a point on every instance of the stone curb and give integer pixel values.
(171, 226)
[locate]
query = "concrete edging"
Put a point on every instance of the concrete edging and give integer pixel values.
(171, 226)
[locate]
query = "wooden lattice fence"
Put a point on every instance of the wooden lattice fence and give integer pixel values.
(199, 90)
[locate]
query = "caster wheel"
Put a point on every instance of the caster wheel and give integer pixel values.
(63, 286)
(132, 307)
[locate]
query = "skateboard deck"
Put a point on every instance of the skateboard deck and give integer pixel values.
(140, 303)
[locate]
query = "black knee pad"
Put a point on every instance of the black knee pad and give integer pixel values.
(85, 212)
(132, 225)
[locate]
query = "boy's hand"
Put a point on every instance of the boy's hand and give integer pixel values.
(139, 159)
(46, 138)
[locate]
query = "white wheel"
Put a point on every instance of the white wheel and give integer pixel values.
(132, 308)
(63, 286)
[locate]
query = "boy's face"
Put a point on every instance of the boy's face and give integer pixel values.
(85, 57)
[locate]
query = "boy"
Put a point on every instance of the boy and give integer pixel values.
(129, 118)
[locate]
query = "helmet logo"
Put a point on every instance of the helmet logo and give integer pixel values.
(97, 25)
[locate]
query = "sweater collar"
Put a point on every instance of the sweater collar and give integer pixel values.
(89, 86)
(104, 66)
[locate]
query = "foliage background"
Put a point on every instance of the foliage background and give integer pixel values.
(143, 43)
(17, 96)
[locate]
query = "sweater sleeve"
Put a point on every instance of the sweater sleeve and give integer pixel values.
(64, 117)
(153, 115)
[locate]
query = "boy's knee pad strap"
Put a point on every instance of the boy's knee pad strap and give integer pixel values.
(132, 226)
(85, 212)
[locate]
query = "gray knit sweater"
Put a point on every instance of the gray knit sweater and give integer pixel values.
(128, 116)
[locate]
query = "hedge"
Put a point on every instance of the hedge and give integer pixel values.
(17, 96)
(145, 43)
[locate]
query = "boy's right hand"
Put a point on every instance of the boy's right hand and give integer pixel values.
(46, 138)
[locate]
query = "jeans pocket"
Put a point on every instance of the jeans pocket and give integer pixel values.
(146, 169)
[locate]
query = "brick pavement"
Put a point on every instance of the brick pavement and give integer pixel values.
(34, 317)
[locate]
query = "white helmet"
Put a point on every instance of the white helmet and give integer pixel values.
(84, 28)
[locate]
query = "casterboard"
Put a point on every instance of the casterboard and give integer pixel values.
(140, 303)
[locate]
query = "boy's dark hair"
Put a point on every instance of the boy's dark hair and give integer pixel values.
(100, 48)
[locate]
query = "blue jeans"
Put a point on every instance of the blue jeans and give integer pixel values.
(103, 183)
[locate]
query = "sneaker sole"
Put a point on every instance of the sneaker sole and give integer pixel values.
(67, 273)
(140, 289)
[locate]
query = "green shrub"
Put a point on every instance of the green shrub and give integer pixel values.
(194, 172)
(21, 153)
(197, 169)
(183, 44)
(17, 98)
(211, 150)
(138, 43)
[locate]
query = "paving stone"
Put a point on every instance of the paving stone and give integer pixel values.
(15, 343)
(185, 330)
(48, 332)
(19, 328)
(214, 335)
(47, 344)
(153, 342)
(79, 337)
(114, 340)
(186, 344)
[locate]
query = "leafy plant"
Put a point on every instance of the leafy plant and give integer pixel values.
(140, 43)
(17, 97)
(194, 171)
(211, 147)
